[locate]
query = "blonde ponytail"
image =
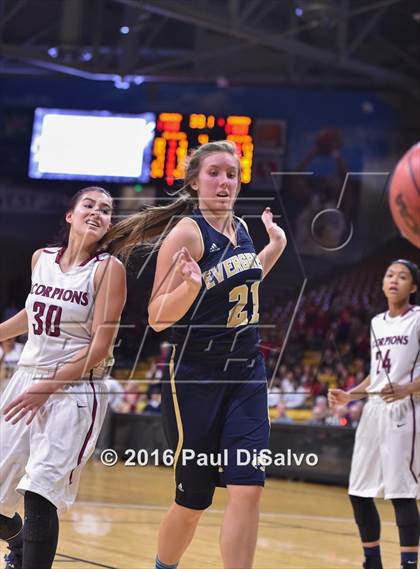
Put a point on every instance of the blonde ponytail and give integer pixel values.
(147, 227)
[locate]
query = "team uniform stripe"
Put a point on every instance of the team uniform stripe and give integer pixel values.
(413, 410)
(89, 433)
(407, 310)
(60, 253)
(86, 261)
(176, 409)
(201, 237)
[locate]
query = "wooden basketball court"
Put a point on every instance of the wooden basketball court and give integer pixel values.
(303, 526)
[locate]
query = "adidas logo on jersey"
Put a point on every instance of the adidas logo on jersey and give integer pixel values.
(214, 248)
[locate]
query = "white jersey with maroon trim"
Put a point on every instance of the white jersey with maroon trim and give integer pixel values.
(60, 311)
(395, 349)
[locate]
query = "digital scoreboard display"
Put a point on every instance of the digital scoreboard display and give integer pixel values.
(91, 145)
(113, 147)
(176, 134)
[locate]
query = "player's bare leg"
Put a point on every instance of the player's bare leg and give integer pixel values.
(412, 549)
(176, 532)
(238, 535)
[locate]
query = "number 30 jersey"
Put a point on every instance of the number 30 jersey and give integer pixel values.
(60, 311)
(223, 320)
(395, 348)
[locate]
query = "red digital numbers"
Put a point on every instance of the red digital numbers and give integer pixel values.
(176, 133)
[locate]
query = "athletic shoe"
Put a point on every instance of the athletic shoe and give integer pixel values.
(13, 559)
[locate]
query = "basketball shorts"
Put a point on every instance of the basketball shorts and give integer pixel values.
(47, 456)
(386, 456)
(216, 422)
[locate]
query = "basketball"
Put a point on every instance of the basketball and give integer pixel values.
(404, 195)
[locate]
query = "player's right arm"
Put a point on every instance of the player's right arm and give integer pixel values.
(18, 324)
(14, 326)
(177, 277)
(341, 397)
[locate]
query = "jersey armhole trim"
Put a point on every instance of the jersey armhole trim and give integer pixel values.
(201, 237)
(244, 223)
(95, 267)
(39, 251)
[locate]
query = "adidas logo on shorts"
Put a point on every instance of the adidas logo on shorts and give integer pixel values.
(180, 487)
(214, 248)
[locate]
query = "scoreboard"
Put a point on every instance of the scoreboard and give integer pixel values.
(177, 133)
(143, 148)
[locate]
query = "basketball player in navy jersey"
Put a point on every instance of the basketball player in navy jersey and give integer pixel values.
(53, 407)
(386, 456)
(215, 393)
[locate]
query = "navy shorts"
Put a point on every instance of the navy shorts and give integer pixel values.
(216, 422)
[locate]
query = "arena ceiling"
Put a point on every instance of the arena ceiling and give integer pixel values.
(371, 43)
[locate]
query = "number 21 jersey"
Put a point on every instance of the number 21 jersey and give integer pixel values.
(223, 320)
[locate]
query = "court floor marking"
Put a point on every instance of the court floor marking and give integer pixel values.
(214, 511)
(72, 559)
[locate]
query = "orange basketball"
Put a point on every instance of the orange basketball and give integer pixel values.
(404, 195)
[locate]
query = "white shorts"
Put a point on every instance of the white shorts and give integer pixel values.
(47, 456)
(386, 456)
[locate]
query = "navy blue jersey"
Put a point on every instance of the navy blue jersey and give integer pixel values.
(223, 320)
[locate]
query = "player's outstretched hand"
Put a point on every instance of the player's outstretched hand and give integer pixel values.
(338, 397)
(30, 401)
(188, 268)
(275, 232)
(393, 392)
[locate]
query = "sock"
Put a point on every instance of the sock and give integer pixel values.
(374, 551)
(409, 559)
(160, 565)
(373, 557)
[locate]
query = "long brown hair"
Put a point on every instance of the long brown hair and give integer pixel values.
(150, 226)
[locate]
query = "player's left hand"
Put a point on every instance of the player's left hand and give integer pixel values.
(393, 392)
(275, 233)
(30, 401)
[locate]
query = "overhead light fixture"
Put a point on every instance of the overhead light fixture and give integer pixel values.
(86, 55)
(121, 82)
(53, 52)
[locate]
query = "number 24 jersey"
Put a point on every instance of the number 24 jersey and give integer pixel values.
(395, 348)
